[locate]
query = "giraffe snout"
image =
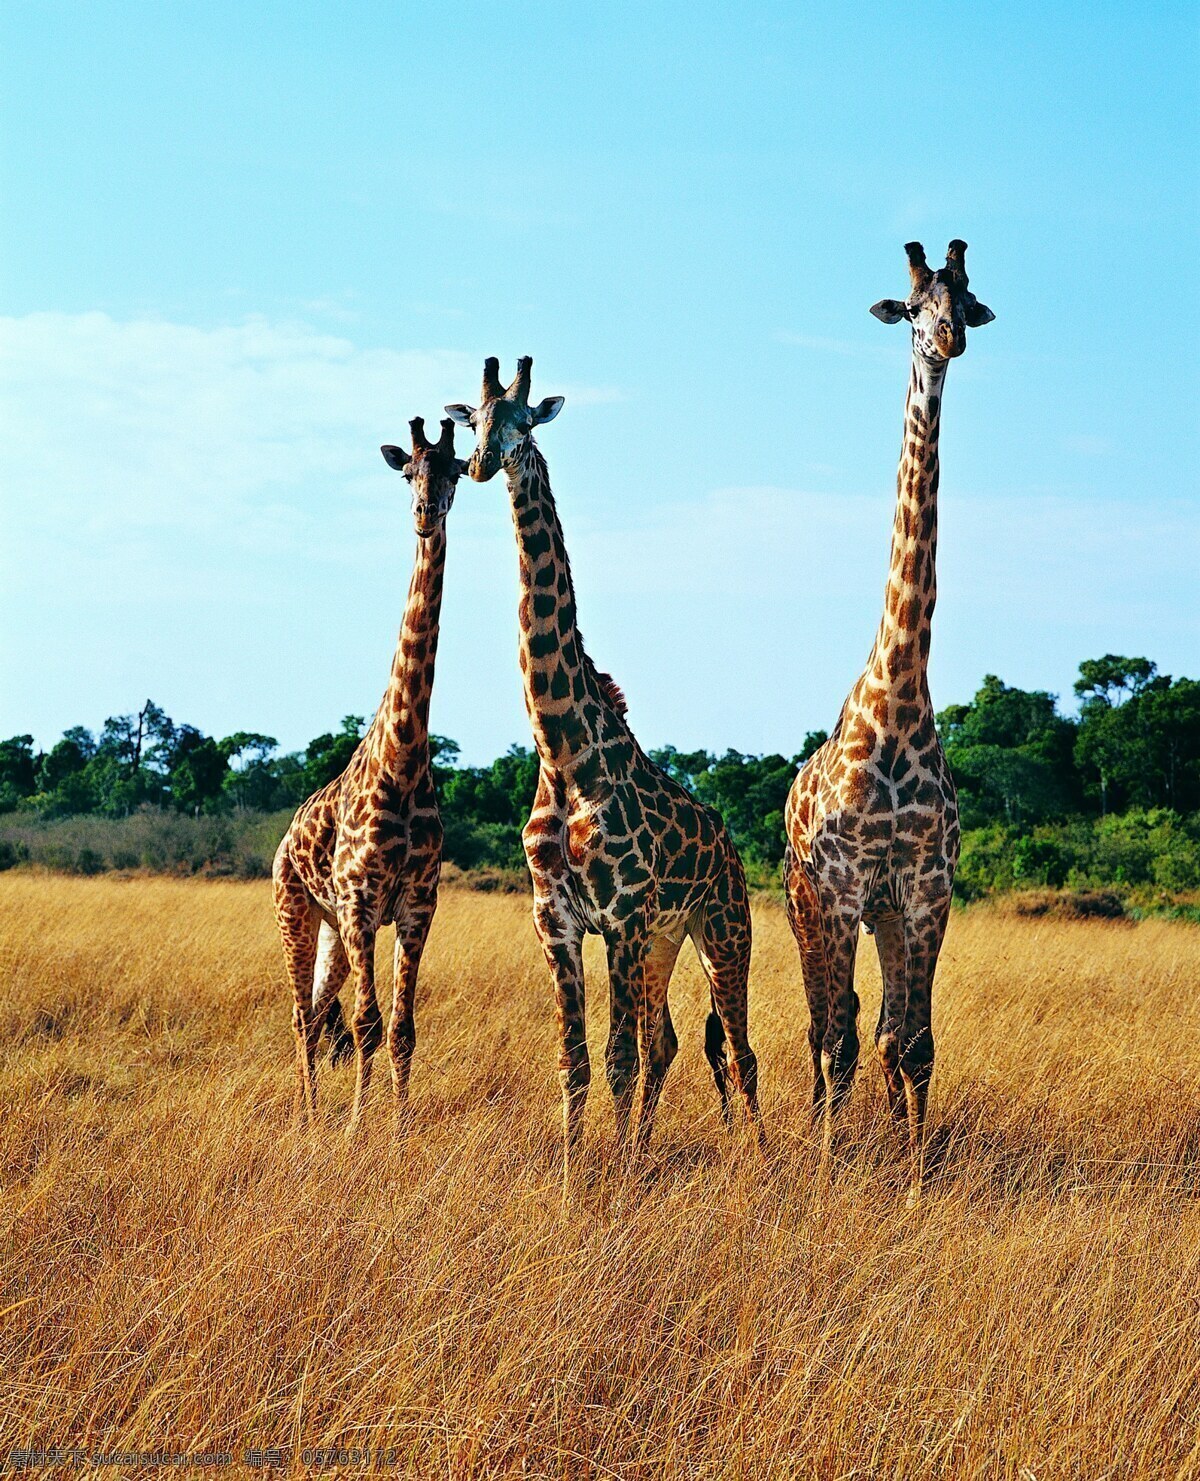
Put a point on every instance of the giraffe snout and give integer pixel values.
(483, 465)
(948, 342)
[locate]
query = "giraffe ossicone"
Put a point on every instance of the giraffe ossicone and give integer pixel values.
(872, 817)
(615, 847)
(366, 850)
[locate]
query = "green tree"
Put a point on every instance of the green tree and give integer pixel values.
(1139, 735)
(812, 743)
(328, 755)
(198, 768)
(252, 778)
(1011, 755)
(67, 758)
(18, 771)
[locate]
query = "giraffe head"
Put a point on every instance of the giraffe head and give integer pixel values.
(503, 420)
(940, 308)
(432, 471)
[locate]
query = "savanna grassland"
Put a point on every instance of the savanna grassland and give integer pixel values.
(182, 1270)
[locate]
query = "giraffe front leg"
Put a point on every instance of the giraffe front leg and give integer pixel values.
(804, 917)
(402, 1030)
(923, 941)
(893, 968)
(357, 931)
(562, 943)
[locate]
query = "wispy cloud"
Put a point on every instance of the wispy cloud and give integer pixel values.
(848, 349)
(204, 511)
(203, 515)
(1088, 446)
(118, 427)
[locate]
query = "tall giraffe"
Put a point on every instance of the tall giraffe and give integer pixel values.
(872, 819)
(366, 850)
(615, 847)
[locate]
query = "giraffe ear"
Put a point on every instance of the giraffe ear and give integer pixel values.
(396, 456)
(463, 415)
(547, 410)
(977, 314)
(463, 465)
(890, 310)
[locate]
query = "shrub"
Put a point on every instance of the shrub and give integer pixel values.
(1038, 860)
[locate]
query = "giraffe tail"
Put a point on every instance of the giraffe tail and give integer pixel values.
(715, 1053)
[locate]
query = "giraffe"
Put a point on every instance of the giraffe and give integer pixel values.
(615, 847)
(366, 850)
(872, 819)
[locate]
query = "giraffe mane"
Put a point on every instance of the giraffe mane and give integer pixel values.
(611, 690)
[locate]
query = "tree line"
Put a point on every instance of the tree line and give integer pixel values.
(1044, 797)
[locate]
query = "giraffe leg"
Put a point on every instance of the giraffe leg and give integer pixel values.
(923, 935)
(629, 1026)
(411, 935)
(827, 939)
(562, 943)
(839, 1046)
(357, 931)
(298, 924)
(804, 917)
(331, 972)
(721, 935)
(662, 1040)
(893, 966)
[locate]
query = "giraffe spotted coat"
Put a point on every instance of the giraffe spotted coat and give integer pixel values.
(365, 851)
(615, 847)
(872, 819)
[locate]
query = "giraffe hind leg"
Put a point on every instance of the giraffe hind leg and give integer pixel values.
(661, 1039)
(298, 923)
(721, 936)
(628, 1044)
(332, 969)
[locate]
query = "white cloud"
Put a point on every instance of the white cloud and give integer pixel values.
(849, 349)
(153, 424)
(1088, 445)
(188, 507)
(202, 515)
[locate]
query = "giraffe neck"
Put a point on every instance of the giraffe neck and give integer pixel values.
(398, 741)
(901, 650)
(562, 695)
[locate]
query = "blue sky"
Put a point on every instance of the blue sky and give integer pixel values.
(246, 243)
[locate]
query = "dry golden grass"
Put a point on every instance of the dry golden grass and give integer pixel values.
(181, 1270)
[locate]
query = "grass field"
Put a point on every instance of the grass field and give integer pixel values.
(181, 1270)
